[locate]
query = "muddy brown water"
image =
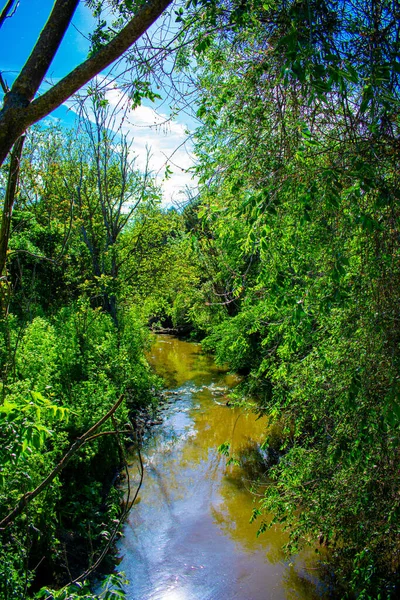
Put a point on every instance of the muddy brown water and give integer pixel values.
(189, 536)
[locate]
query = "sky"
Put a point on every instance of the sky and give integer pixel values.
(147, 128)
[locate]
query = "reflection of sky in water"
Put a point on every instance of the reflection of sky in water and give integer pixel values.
(189, 537)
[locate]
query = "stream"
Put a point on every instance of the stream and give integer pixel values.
(188, 537)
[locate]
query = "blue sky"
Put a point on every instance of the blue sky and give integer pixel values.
(19, 33)
(17, 37)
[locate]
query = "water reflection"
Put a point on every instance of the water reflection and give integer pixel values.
(190, 538)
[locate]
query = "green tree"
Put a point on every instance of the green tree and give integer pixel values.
(107, 190)
(300, 177)
(160, 272)
(21, 108)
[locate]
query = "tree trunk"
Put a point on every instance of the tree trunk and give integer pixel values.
(12, 182)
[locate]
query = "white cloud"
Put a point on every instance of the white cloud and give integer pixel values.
(166, 140)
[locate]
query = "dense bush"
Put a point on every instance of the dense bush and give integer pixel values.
(299, 209)
(69, 371)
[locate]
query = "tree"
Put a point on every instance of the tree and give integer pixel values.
(107, 190)
(21, 109)
(159, 268)
(299, 161)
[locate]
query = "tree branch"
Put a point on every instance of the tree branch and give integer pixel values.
(3, 85)
(29, 80)
(128, 505)
(82, 74)
(19, 112)
(8, 11)
(29, 496)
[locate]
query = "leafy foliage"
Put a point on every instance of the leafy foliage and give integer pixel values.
(288, 263)
(300, 207)
(69, 347)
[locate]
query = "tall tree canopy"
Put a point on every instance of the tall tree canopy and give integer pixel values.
(299, 159)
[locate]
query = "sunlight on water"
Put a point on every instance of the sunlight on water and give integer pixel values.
(174, 595)
(189, 537)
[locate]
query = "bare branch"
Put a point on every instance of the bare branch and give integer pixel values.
(22, 251)
(128, 505)
(28, 81)
(3, 84)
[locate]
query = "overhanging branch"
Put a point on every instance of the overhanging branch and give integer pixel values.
(82, 74)
(29, 496)
(8, 11)
(19, 111)
(31, 76)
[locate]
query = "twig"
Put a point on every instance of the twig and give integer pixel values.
(3, 84)
(21, 250)
(29, 496)
(122, 518)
